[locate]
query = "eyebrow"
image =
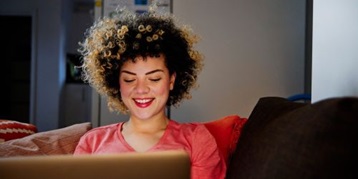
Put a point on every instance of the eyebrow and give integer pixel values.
(148, 73)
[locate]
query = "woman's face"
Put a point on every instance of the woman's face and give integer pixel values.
(145, 86)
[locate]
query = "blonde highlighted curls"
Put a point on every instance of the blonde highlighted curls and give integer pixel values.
(110, 42)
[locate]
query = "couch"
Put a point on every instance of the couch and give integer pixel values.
(280, 139)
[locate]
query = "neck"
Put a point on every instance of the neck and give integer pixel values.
(148, 125)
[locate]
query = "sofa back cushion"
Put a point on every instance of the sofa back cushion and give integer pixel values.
(284, 139)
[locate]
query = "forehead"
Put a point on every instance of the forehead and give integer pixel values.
(145, 64)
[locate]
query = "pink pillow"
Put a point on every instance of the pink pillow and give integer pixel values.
(53, 142)
(226, 132)
(10, 129)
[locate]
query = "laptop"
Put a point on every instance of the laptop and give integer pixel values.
(164, 164)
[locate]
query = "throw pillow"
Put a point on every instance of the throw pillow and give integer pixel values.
(10, 129)
(54, 142)
(311, 141)
(226, 132)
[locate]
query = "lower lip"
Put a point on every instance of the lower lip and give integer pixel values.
(144, 105)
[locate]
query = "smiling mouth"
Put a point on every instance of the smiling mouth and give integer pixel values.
(143, 103)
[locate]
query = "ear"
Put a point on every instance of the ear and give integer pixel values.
(172, 80)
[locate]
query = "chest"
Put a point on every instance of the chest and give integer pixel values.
(143, 142)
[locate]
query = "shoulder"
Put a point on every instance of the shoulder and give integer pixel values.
(185, 126)
(103, 130)
(194, 129)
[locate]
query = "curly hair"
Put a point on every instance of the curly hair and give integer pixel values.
(110, 42)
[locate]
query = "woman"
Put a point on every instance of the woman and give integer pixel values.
(143, 63)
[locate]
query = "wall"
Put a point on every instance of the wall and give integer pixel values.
(48, 72)
(334, 53)
(252, 48)
(81, 19)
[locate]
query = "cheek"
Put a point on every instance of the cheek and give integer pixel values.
(124, 90)
(163, 89)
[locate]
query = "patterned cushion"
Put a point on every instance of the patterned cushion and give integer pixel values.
(13, 130)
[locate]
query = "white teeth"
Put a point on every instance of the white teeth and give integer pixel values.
(142, 100)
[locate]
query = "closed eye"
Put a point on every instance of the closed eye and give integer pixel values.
(155, 79)
(128, 81)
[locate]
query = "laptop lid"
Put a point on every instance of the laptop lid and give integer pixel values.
(166, 164)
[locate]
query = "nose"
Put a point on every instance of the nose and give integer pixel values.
(142, 87)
